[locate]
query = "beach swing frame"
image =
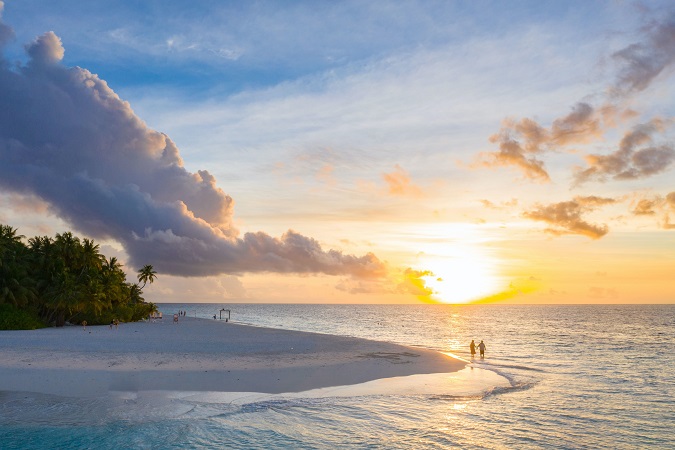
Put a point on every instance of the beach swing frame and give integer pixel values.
(227, 319)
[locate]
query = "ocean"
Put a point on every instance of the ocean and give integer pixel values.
(575, 377)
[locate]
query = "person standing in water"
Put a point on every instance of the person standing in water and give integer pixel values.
(472, 346)
(481, 348)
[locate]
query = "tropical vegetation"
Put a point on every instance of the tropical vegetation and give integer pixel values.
(50, 281)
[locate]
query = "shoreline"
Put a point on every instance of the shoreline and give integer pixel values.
(200, 355)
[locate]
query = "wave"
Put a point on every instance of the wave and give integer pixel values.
(492, 365)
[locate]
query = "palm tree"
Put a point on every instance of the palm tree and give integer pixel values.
(67, 278)
(112, 264)
(146, 274)
(16, 286)
(135, 294)
(10, 242)
(8, 234)
(91, 258)
(68, 247)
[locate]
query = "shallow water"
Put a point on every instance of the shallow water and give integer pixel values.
(577, 377)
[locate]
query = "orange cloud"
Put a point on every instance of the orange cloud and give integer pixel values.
(566, 217)
(646, 207)
(413, 283)
(400, 184)
(503, 205)
(655, 205)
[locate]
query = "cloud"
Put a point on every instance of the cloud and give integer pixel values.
(489, 204)
(25, 204)
(216, 289)
(68, 138)
(643, 61)
(520, 140)
(503, 205)
(636, 156)
(399, 183)
(670, 200)
(400, 282)
(646, 207)
(413, 283)
(513, 152)
(656, 205)
(45, 49)
(566, 217)
(6, 32)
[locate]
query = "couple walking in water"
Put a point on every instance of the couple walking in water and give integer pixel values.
(481, 348)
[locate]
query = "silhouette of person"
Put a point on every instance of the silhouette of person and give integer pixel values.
(481, 348)
(472, 346)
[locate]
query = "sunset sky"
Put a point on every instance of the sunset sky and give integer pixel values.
(354, 152)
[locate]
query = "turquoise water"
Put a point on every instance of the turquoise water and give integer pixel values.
(578, 377)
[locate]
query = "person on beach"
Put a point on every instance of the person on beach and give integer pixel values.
(481, 348)
(472, 346)
(111, 323)
(84, 325)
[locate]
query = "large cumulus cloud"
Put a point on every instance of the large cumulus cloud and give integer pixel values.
(68, 138)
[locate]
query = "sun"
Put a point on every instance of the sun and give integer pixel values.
(461, 278)
(462, 273)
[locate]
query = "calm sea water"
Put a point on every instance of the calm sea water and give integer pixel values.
(579, 376)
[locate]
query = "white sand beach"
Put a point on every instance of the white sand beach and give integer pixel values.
(199, 355)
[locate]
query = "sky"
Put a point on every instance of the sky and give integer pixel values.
(349, 152)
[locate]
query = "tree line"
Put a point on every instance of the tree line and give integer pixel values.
(51, 281)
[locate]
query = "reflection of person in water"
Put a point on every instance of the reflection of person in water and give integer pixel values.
(482, 348)
(472, 346)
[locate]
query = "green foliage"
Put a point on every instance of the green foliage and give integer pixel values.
(12, 318)
(67, 279)
(146, 274)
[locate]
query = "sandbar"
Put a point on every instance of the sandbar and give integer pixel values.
(200, 355)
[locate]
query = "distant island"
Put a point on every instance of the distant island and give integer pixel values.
(54, 281)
